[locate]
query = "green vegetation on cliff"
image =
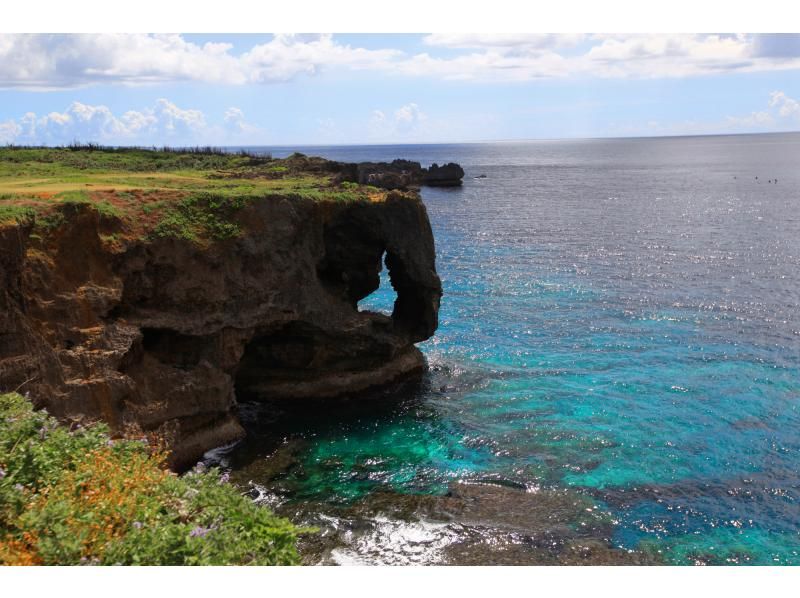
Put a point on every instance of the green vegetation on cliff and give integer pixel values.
(191, 194)
(75, 496)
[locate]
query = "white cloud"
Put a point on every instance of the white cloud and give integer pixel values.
(164, 122)
(403, 123)
(9, 131)
(754, 120)
(39, 61)
(515, 57)
(235, 121)
(59, 61)
(782, 113)
(523, 58)
(289, 55)
(171, 121)
(786, 106)
(494, 64)
(78, 122)
(504, 40)
(408, 117)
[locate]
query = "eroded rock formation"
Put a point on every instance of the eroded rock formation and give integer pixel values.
(159, 336)
(398, 174)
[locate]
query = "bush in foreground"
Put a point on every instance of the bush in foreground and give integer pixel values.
(70, 497)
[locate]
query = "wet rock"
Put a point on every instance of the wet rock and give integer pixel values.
(473, 524)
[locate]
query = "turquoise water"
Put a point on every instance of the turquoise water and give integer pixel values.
(620, 318)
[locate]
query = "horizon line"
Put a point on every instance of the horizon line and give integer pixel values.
(514, 140)
(401, 143)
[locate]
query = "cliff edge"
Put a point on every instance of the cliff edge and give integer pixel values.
(154, 319)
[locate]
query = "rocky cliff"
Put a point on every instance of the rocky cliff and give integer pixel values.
(159, 335)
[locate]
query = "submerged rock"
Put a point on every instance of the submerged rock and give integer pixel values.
(473, 524)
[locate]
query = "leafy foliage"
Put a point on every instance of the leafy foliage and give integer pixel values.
(15, 213)
(202, 215)
(78, 497)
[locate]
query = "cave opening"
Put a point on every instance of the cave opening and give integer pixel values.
(182, 351)
(381, 300)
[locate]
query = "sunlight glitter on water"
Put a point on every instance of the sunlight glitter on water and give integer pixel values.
(620, 318)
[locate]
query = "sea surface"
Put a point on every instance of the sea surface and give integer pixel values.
(616, 371)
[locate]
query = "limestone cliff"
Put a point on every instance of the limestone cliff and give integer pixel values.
(158, 336)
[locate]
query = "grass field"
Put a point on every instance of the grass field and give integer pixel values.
(185, 193)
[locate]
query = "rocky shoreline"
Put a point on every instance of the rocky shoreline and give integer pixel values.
(157, 336)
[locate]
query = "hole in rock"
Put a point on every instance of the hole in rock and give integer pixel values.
(382, 299)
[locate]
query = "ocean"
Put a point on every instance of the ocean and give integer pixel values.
(617, 364)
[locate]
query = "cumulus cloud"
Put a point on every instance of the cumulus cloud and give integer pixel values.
(164, 122)
(78, 121)
(170, 121)
(786, 106)
(403, 122)
(408, 117)
(9, 131)
(781, 113)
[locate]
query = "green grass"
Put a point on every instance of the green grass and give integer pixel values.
(202, 215)
(15, 213)
(54, 161)
(70, 497)
(82, 198)
(193, 195)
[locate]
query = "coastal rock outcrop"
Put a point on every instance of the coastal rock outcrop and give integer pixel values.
(447, 175)
(400, 174)
(159, 336)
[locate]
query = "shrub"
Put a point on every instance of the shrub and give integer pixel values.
(72, 497)
(12, 213)
(203, 215)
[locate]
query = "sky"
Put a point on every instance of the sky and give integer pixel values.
(324, 89)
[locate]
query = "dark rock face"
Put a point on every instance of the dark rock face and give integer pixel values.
(448, 175)
(159, 337)
(400, 174)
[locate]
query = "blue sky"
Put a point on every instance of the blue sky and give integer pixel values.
(369, 88)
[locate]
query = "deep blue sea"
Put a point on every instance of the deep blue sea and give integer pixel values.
(620, 321)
